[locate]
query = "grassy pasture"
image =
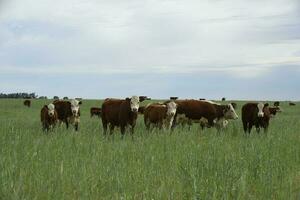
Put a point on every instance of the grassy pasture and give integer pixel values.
(185, 165)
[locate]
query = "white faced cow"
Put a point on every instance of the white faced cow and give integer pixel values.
(160, 115)
(68, 112)
(48, 117)
(121, 113)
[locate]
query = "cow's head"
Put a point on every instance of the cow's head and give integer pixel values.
(75, 107)
(260, 107)
(51, 109)
(134, 103)
(229, 112)
(172, 106)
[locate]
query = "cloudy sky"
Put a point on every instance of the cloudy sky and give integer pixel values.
(195, 48)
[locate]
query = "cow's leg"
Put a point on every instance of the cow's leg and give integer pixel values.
(218, 127)
(43, 126)
(174, 123)
(190, 123)
(257, 128)
(147, 124)
(245, 126)
(76, 126)
(250, 128)
(53, 125)
(104, 124)
(132, 131)
(160, 125)
(202, 126)
(67, 123)
(47, 127)
(111, 129)
(122, 127)
(210, 123)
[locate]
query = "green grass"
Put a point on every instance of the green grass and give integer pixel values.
(185, 165)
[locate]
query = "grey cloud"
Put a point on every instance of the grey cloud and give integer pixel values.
(151, 36)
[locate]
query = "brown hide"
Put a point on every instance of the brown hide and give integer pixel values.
(64, 112)
(250, 117)
(195, 110)
(155, 114)
(47, 120)
(117, 112)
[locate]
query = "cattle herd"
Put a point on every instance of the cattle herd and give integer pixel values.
(166, 115)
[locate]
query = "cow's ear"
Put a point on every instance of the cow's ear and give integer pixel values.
(266, 104)
(80, 102)
(127, 99)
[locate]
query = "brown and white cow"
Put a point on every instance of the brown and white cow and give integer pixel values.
(207, 113)
(224, 113)
(160, 115)
(258, 115)
(121, 113)
(95, 111)
(189, 111)
(68, 112)
(27, 103)
(48, 117)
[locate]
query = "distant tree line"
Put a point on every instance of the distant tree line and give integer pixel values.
(20, 95)
(24, 95)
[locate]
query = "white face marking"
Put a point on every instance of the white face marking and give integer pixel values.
(230, 113)
(51, 109)
(172, 106)
(75, 107)
(134, 103)
(260, 107)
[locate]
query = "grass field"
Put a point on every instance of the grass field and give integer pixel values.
(185, 165)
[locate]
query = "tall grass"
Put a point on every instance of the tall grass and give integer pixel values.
(194, 164)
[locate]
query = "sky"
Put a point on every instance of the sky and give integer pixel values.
(248, 50)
